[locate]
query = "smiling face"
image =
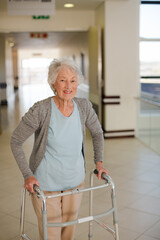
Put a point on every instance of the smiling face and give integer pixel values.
(66, 84)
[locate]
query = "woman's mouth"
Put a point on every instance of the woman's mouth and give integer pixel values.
(68, 92)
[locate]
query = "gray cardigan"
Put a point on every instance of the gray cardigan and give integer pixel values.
(37, 120)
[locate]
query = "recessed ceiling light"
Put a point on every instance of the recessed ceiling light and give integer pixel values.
(68, 5)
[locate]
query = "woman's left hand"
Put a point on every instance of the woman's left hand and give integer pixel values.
(100, 169)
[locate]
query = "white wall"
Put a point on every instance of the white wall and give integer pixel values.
(121, 63)
(62, 21)
(99, 15)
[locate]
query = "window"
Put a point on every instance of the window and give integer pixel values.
(34, 70)
(150, 20)
(150, 49)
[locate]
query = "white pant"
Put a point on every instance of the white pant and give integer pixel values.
(59, 209)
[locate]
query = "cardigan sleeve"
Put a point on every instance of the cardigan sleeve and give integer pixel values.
(27, 126)
(93, 124)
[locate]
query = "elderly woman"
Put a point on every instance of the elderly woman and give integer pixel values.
(57, 161)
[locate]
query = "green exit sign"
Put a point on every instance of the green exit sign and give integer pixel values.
(40, 17)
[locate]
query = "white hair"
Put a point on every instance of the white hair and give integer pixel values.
(57, 65)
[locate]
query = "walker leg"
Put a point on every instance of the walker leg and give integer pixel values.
(44, 219)
(116, 232)
(23, 198)
(115, 215)
(90, 234)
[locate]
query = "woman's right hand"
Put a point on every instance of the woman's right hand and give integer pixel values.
(29, 183)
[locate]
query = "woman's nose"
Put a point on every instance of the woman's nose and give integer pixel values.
(68, 84)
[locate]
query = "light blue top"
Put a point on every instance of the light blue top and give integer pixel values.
(62, 166)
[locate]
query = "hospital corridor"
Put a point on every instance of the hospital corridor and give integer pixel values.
(116, 46)
(133, 166)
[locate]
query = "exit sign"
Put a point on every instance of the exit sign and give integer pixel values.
(38, 35)
(40, 17)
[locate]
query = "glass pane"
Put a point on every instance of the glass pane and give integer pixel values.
(148, 124)
(150, 20)
(143, 122)
(150, 70)
(150, 58)
(155, 129)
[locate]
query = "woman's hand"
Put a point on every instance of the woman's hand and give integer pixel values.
(100, 169)
(29, 183)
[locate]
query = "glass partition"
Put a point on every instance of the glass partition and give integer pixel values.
(148, 124)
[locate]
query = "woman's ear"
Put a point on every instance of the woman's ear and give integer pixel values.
(54, 89)
(53, 86)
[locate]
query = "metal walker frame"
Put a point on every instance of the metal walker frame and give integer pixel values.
(108, 182)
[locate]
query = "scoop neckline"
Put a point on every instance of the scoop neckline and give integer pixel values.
(61, 112)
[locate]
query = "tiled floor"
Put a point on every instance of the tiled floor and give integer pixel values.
(134, 168)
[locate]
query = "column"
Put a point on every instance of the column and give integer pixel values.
(121, 85)
(3, 84)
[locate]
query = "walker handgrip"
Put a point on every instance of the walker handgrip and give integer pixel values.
(36, 188)
(103, 175)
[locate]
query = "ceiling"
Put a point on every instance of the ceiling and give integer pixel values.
(79, 4)
(23, 40)
(59, 4)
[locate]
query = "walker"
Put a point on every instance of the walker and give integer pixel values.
(107, 182)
